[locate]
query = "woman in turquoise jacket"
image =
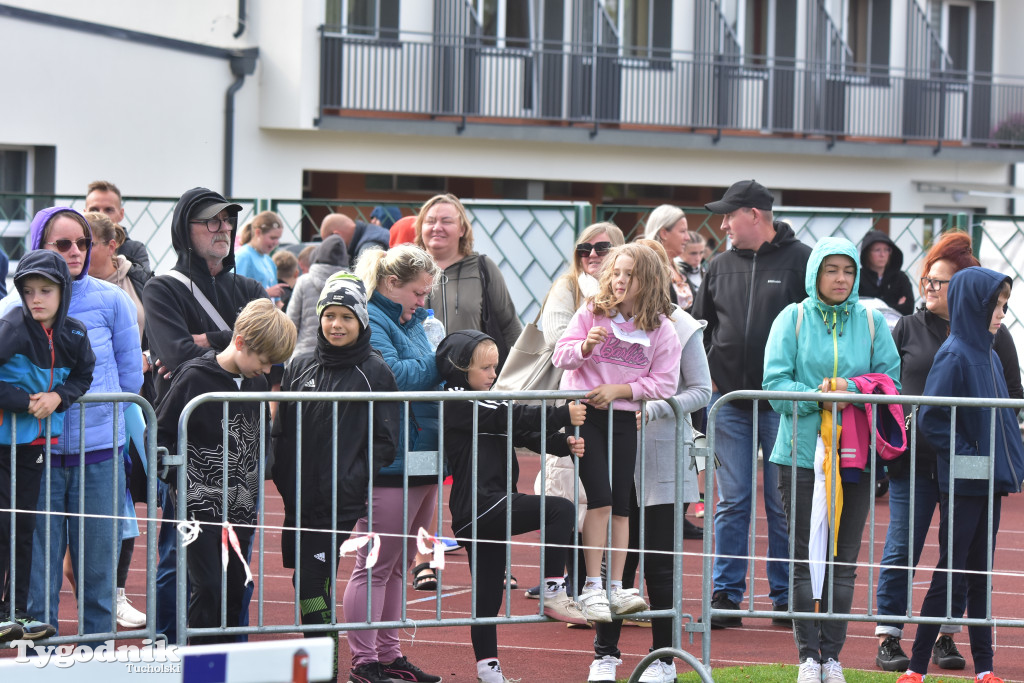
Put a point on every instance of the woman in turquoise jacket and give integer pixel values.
(834, 340)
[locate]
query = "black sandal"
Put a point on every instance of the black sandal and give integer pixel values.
(425, 578)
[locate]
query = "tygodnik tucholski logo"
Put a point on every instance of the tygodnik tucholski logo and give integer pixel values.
(150, 657)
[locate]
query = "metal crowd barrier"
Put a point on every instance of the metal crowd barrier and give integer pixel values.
(964, 467)
(428, 463)
(48, 518)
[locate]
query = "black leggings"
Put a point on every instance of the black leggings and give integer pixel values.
(594, 466)
(490, 557)
(124, 561)
(29, 473)
(659, 521)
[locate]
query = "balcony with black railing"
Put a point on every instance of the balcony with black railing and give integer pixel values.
(468, 78)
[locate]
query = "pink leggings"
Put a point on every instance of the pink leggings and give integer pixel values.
(382, 645)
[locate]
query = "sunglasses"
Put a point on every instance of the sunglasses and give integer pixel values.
(602, 248)
(63, 246)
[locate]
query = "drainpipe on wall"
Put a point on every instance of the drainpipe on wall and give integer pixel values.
(241, 20)
(241, 66)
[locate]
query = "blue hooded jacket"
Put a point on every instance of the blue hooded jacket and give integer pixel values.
(34, 359)
(966, 366)
(110, 318)
(835, 341)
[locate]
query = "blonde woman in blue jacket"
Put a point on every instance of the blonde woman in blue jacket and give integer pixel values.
(834, 341)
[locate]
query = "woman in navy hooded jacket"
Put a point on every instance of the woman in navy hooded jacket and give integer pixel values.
(110, 318)
(967, 366)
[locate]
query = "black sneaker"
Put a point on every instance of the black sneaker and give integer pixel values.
(372, 672)
(781, 621)
(945, 654)
(403, 670)
(32, 628)
(533, 592)
(10, 630)
(891, 656)
(691, 530)
(719, 601)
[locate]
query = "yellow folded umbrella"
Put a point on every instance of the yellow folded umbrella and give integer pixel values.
(830, 465)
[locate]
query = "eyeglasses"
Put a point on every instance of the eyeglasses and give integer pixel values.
(602, 248)
(63, 246)
(214, 224)
(933, 284)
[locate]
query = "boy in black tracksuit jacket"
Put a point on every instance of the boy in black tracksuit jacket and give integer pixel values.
(467, 360)
(45, 357)
(343, 361)
(263, 336)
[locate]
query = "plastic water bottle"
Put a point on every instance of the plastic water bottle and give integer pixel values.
(434, 329)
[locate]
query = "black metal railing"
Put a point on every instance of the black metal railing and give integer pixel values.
(433, 75)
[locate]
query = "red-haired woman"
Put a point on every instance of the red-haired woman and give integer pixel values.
(918, 338)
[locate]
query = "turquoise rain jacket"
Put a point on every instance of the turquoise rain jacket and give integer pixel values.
(834, 341)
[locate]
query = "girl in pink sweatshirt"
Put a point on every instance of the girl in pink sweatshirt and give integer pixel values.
(620, 347)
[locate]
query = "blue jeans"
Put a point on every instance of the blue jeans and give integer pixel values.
(101, 543)
(734, 433)
(892, 583)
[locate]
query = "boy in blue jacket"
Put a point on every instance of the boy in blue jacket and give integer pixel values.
(46, 364)
(966, 366)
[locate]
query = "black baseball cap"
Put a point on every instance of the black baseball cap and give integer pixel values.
(746, 194)
(211, 208)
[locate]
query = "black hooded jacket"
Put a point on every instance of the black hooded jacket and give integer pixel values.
(34, 359)
(741, 294)
(894, 283)
(454, 352)
(172, 313)
(354, 368)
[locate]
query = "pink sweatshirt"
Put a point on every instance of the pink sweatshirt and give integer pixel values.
(652, 372)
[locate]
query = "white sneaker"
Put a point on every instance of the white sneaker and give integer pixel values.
(128, 616)
(659, 672)
(810, 672)
(603, 670)
(627, 601)
(833, 671)
(560, 607)
(594, 605)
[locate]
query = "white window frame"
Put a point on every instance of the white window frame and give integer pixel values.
(21, 228)
(501, 24)
(972, 18)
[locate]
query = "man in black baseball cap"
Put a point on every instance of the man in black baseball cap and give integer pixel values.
(743, 291)
(190, 312)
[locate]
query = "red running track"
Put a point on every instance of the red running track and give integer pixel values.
(552, 653)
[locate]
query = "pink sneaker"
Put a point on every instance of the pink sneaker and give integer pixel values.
(698, 510)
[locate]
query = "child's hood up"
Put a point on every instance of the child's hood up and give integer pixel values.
(39, 222)
(973, 294)
(50, 265)
(454, 352)
(830, 246)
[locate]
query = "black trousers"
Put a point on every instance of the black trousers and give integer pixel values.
(204, 573)
(595, 466)
(318, 563)
(28, 468)
(490, 557)
(659, 522)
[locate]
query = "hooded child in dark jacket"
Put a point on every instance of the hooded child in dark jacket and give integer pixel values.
(882, 275)
(46, 364)
(467, 361)
(966, 366)
(343, 361)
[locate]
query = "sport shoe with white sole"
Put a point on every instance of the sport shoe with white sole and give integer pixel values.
(810, 672)
(594, 605)
(127, 615)
(833, 671)
(32, 628)
(603, 670)
(560, 607)
(627, 601)
(659, 672)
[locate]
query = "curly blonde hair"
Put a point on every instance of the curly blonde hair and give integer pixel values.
(652, 281)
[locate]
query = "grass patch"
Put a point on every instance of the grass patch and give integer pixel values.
(784, 673)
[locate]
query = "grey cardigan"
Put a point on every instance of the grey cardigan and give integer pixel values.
(302, 305)
(693, 392)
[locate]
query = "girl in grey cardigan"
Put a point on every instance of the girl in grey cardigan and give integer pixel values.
(327, 259)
